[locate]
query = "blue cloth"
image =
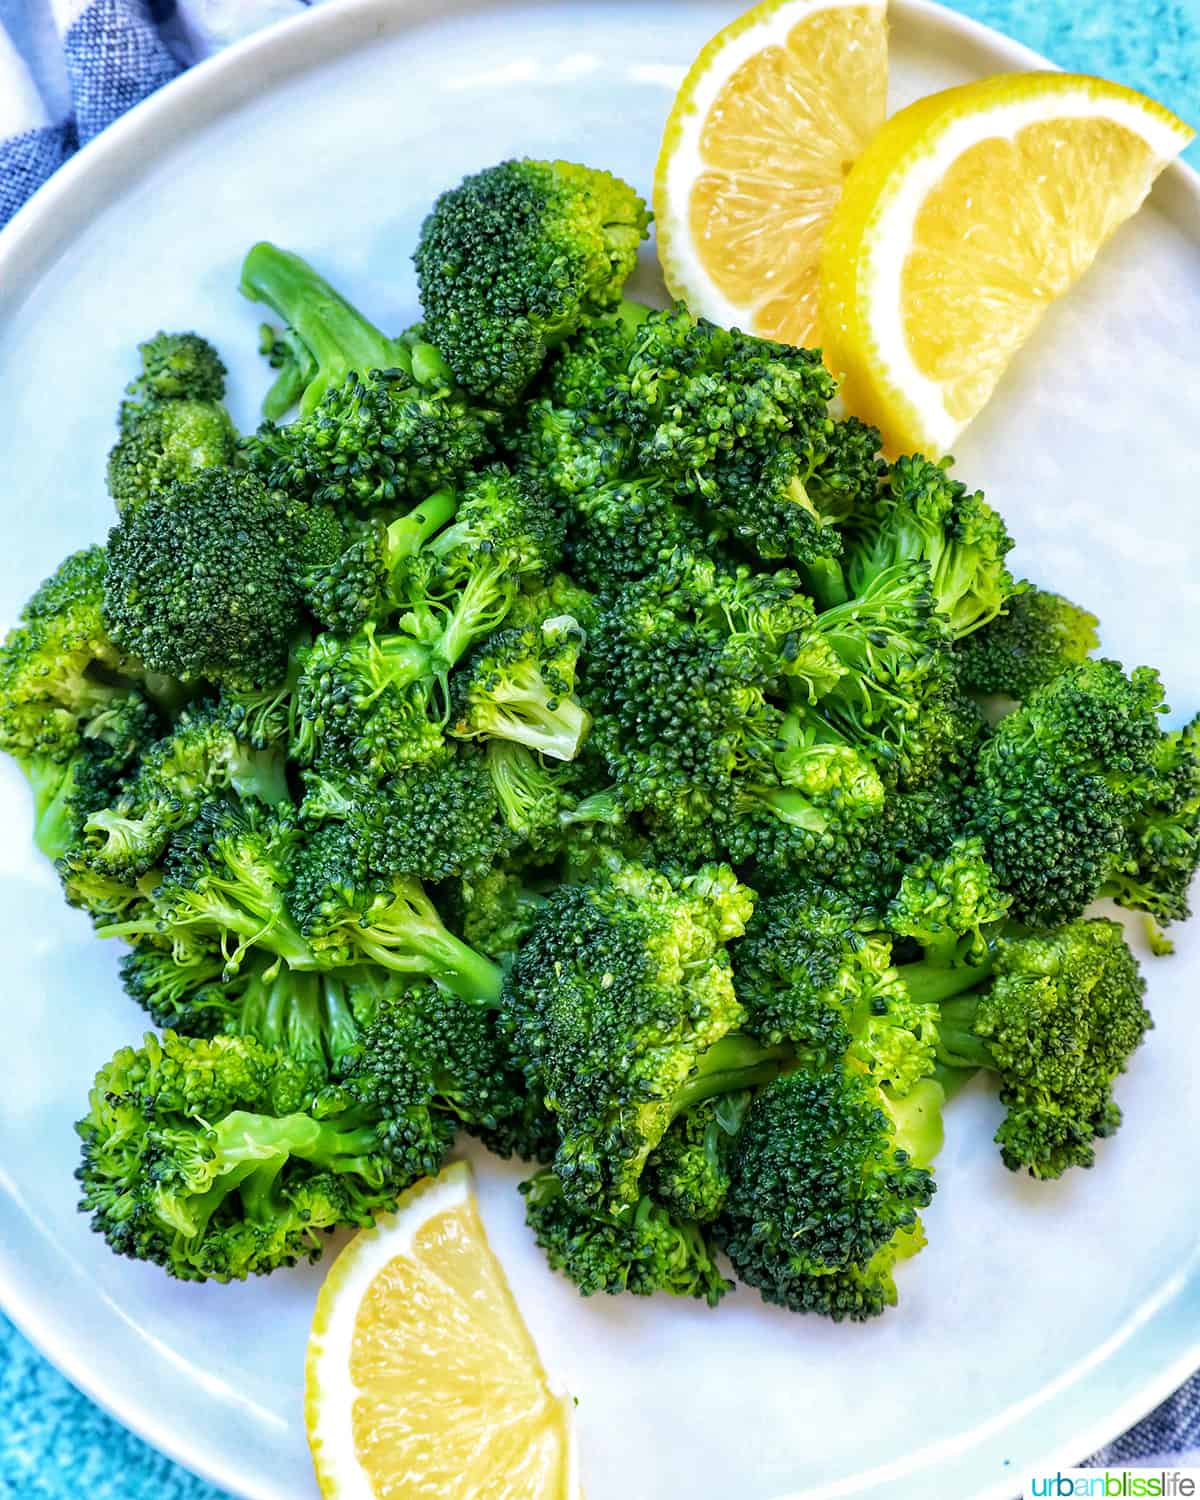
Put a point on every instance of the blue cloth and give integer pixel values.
(68, 68)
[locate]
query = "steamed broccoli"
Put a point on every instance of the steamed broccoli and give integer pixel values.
(514, 258)
(520, 686)
(175, 424)
(380, 420)
(1058, 1023)
(199, 581)
(640, 1247)
(825, 1194)
(1039, 635)
(623, 1002)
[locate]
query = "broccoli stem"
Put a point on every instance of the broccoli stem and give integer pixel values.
(52, 783)
(409, 937)
(735, 1062)
(958, 1046)
(338, 337)
(934, 983)
(407, 535)
(825, 581)
(242, 1137)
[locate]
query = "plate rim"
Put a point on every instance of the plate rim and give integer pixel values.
(31, 242)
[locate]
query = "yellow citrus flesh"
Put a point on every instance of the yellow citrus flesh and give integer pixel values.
(422, 1379)
(968, 214)
(768, 122)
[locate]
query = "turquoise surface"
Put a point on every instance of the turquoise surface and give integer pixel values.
(54, 1443)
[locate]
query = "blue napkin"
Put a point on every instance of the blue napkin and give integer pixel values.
(68, 68)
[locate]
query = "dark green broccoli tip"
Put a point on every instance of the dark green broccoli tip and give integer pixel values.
(1039, 635)
(179, 367)
(199, 581)
(823, 1199)
(1063, 785)
(1058, 1023)
(512, 260)
(641, 1248)
(165, 441)
(622, 999)
(920, 514)
(520, 686)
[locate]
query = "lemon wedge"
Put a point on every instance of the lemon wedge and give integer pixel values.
(421, 1377)
(968, 214)
(769, 120)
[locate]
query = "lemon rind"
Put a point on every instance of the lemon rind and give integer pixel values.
(329, 1392)
(887, 233)
(680, 161)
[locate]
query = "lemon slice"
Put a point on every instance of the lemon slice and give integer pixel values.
(968, 214)
(770, 118)
(421, 1377)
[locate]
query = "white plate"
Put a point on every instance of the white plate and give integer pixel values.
(1042, 1319)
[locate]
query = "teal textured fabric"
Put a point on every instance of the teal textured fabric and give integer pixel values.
(54, 1443)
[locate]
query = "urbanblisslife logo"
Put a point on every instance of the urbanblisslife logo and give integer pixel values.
(1119, 1484)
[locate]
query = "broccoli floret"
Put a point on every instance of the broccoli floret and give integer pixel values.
(348, 916)
(433, 821)
(623, 1001)
(199, 581)
(640, 1247)
(366, 705)
(58, 667)
(504, 538)
(688, 1171)
(380, 420)
(1060, 785)
(200, 757)
(165, 441)
(514, 258)
(519, 685)
(346, 563)
(1058, 1023)
(192, 998)
(807, 975)
(176, 424)
(210, 1158)
(921, 514)
(221, 888)
(824, 1195)
(179, 367)
(951, 904)
(66, 793)
(1038, 636)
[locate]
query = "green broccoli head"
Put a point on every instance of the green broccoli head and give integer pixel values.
(519, 685)
(434, 821)
(641, 1247)
(350, 916)
(618, 998)
(165, 441)
(179, 367)
(806, 974)
(1058, 1024)
(824, 1196)
(688, 1171)
(1061, 783)
(210, 1159)
(199, 757)
(950, 904)
(1039, 635)
(514, 258)
(199, 581)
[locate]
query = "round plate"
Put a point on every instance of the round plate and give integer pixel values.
(1043, 1318)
